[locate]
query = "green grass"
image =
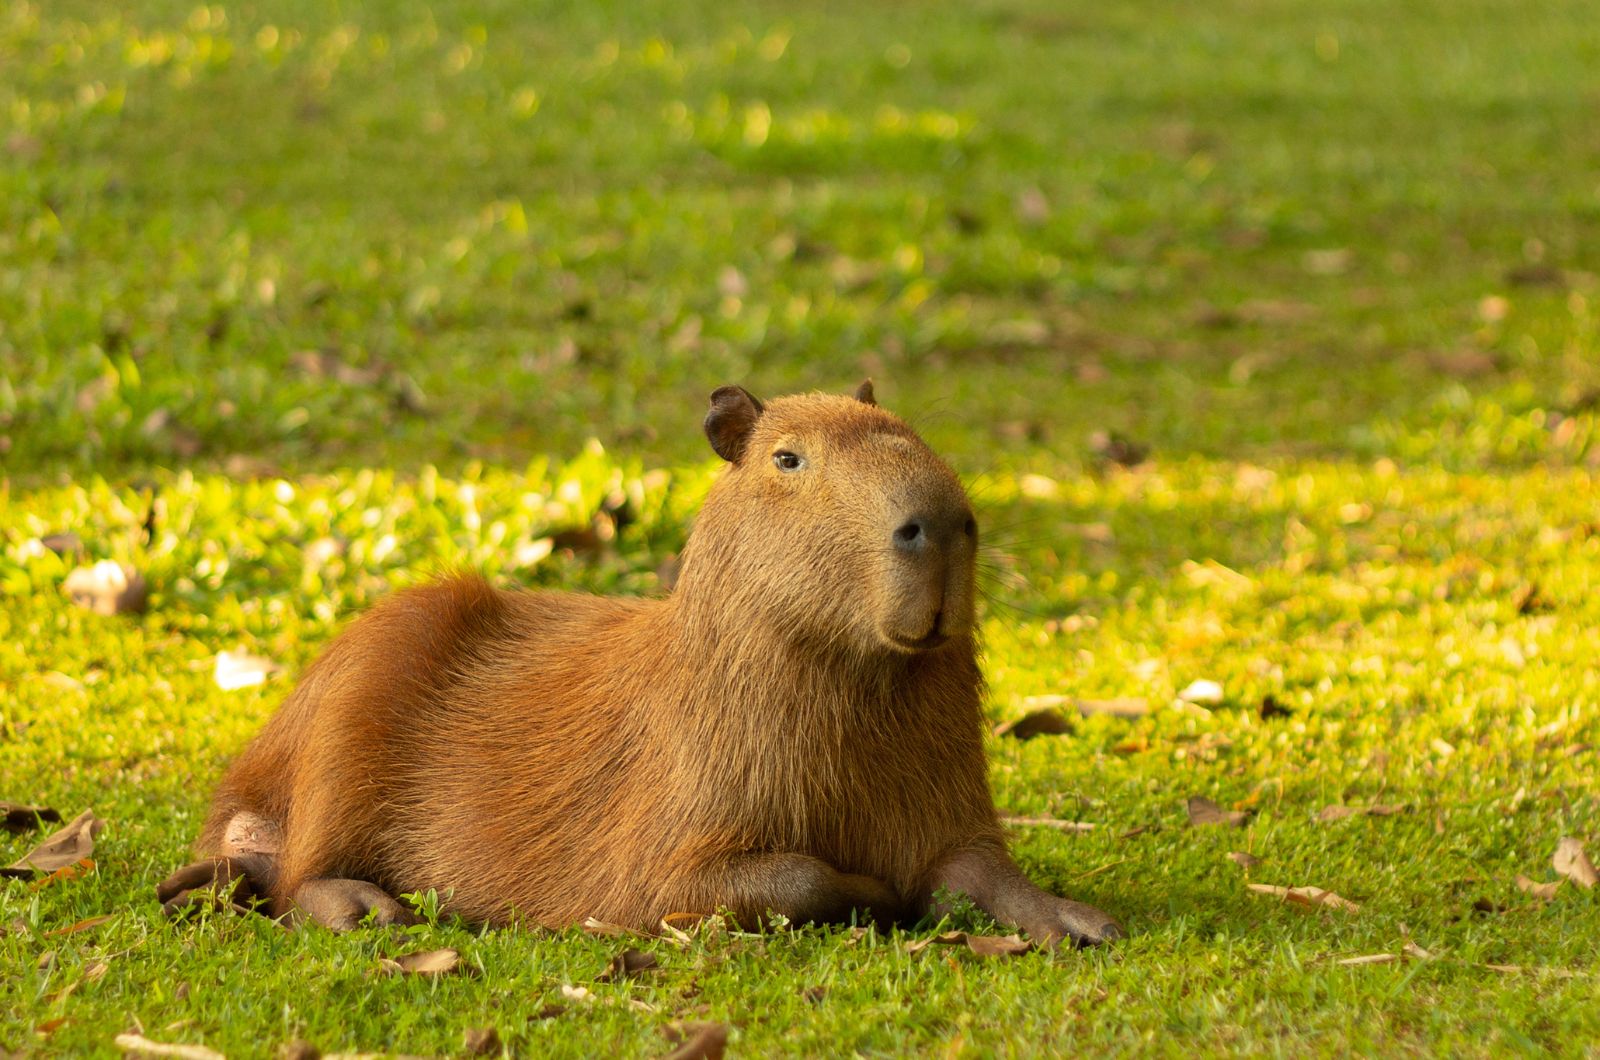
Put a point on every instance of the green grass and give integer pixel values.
(1333, 264)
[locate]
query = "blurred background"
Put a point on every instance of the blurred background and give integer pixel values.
(265, 238)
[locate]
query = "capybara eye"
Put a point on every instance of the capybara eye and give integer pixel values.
(970, 527)
(787, 461)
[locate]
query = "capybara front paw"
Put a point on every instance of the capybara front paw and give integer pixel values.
(1083, 925)
(343, 905)
(216, 883)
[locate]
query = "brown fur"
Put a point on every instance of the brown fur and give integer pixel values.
(796, 729)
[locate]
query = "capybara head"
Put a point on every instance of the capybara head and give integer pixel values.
(833, 524)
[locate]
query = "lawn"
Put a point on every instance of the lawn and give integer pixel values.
(1265, 335)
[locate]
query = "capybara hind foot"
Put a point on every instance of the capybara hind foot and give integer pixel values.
(343, 905)
(1062, 918)
(239, 883)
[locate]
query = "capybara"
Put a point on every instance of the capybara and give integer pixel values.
(795, 729)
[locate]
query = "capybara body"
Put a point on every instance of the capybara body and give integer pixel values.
(796, 729)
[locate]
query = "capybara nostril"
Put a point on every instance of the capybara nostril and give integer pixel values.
(911, 537)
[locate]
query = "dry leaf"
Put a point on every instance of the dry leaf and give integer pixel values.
(982, 945)
(626, 964)
(1307, 896)
(575, 993)
(1411, 949)
(82, 925)
(600, 927)
(426, 962)
(70, 872)
(60, 849)
(1119, 707)
(1339, 813)
(697, 1041)
(1243, 859)
(481, 1041)
(1546, 891)
(1202, 811)
(299, 1049)
(20, 818)
(139, 1045)
(1271, 708)
(1571, 862)
(814, 994)
(1035, 723)
(1372, 958)
(107, 588)
(240, 669)
(1202, 692)
(1048, 822)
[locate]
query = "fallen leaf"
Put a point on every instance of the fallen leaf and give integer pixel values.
(1487, 905)
(814, 994)
(1035, 723)
(697, 1041)
(1336, 813)
(1306, 896)
(62, 848)
(47, 960)
(73, 871)
(1546, 891)
(1131, 746)
(1202, 812)
(107, 588)
(1571, 862)
(1048, 822)
(981, 945)
(299, 1049)
(1535, 275)
(1386, 809)
(600, 927)
(1411, 949)
(96, 971)
(139, 1045)
(239, 669)
(1244, 859)
(1114, 448)
(49, 1027)
(575, 993)
(1371, 958)
(1271, 708)
(481, 1041)
(1119, 707)
(626, 964)
(1530, 600)
(1202, 692)
(20, 818)
(426, 962)
(82, 925)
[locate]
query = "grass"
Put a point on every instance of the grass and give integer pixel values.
(374, 275)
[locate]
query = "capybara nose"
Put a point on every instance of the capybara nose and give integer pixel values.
(911, 537)
(922, 534)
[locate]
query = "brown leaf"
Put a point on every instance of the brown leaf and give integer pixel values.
(1202, 812)
(1336, 813)
(1306, 896)
(626, 964)
(60, 849)
(1244, 859)
(1411, 949)
(20, 818)
(299, 1049)
(1571, 862)
(70, 872)
(481, 1041)
(981, 945)
(1048, 822)
(139, 1045)
(108, 588)
(82, 925)
(1035, 723)
(1371, 958)
(697, 1041)
(1118, 707)
(426, 962)
(591, 926)
(1271, 708)
(1530, 600)
(1339, 813)
(814, 994)
(1546, 891)
(1535, 275)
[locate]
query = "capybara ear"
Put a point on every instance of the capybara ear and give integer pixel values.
(733, 415)
(864, 393)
